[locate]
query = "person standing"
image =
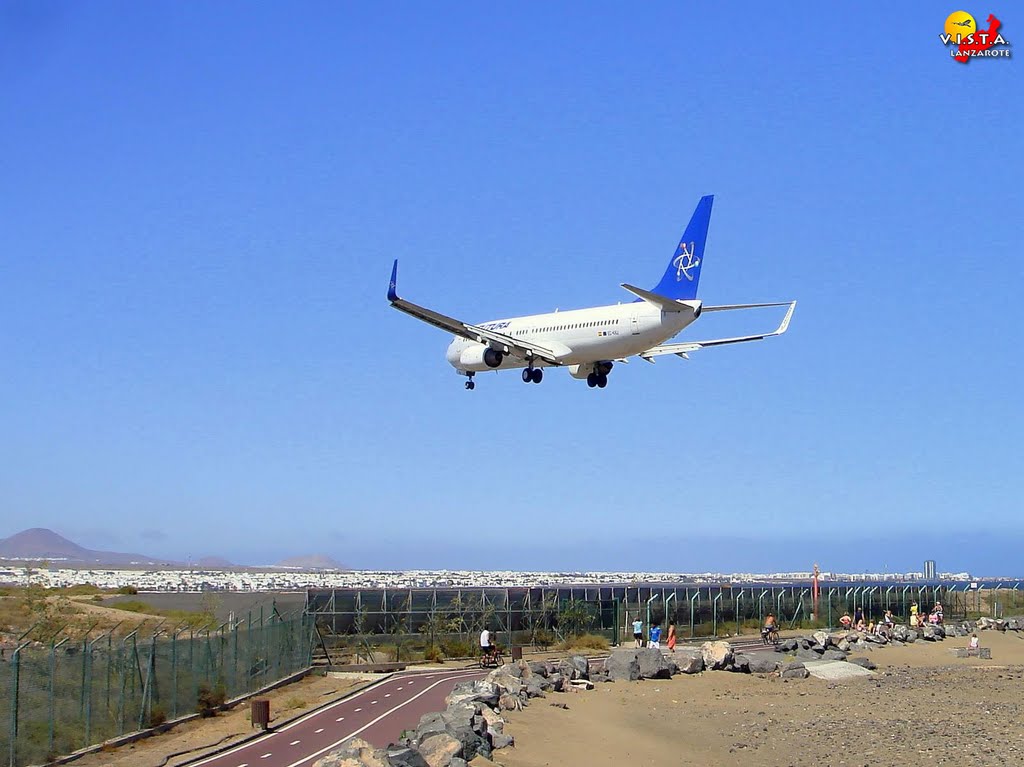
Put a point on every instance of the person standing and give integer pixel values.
(655, 637)
(671, 636)
(638, 633)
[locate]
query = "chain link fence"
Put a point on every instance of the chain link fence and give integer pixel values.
(72, 693)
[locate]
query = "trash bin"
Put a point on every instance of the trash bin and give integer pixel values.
(517, 653)
(260, 712)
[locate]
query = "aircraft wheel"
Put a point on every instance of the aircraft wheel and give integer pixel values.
(470, 385)
(592, 380)
(602, 380)
(527, 375)
(538, 375)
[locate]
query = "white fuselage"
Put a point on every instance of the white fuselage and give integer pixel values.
(580, 336)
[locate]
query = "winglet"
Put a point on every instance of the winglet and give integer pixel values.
(392, 287)
(785, 320)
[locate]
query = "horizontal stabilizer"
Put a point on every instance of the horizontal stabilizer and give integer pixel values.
(682, 349)
(662, 302)
(734, 307)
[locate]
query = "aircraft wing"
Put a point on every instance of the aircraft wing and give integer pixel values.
(683, 349)
(526, 350)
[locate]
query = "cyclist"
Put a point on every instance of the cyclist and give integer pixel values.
(486, 645)
(770, 626)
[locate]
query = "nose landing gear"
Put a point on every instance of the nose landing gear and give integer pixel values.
(470, 384)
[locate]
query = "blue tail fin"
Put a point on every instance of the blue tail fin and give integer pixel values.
(683, 272)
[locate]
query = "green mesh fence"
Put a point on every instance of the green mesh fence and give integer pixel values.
(76, 692)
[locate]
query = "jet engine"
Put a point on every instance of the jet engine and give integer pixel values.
(478, 354)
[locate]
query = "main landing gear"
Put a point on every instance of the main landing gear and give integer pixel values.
(470, 384)
(599, 376)
(533, 375)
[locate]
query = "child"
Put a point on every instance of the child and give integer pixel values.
(655, 637)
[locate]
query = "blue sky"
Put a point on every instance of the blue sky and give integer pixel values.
(201, 204)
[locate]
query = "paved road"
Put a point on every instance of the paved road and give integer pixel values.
(378, 714)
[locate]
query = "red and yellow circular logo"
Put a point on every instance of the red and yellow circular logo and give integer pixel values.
(960, 23)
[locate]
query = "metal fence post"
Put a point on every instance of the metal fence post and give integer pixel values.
(15, 679)
(123, 664)
(760, 606)
(668, 599)
(696, 595)
(714, 613)
(53, 675)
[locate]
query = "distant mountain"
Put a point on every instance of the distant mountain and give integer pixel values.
(312, 562)
(214, 563)
(40, 543)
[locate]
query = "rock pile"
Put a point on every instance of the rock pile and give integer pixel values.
(471, 723)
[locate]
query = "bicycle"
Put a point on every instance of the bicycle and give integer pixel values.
(491, 658)
(770, 636)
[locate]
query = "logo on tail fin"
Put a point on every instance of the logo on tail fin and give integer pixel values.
(685, 261)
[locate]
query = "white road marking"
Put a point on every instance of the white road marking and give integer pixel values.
(358, 710)
(319, 731)
(347, 699)
(401, 688)
(387, 695)
(264, 756)
(295, 743)
(310, 758)
(373, 703)
(340, 719)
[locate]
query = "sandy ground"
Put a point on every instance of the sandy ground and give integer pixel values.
(922, 706)
(202, 736)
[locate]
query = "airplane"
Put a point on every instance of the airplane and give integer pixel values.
(588, 342)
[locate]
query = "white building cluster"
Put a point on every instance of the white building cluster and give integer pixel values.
(189, 580)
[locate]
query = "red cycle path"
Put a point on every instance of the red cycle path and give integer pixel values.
(377, 714)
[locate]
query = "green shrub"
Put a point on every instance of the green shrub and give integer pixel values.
(433, 654)
(457, 648)
(80, 590)
(583, 642)
(543, 638)
(210, 700)
(133, 606)
(157, 716)
(130, 590)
